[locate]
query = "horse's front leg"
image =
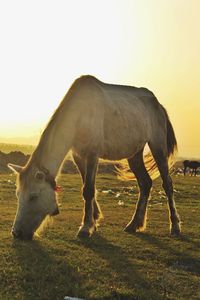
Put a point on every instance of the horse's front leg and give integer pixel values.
(88, 222)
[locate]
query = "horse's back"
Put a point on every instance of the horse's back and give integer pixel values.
(118, 119)
(128, 114)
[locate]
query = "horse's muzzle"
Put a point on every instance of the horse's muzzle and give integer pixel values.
(19, 234)
(56, 212)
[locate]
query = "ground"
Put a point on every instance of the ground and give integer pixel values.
(112, 264)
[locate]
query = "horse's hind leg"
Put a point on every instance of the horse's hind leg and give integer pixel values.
(138, 222)
(162, 163)
(81, 165)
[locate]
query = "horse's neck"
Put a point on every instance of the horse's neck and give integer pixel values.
(55, 143)
(55, 154)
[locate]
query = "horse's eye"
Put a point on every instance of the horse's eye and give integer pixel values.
(33, 197)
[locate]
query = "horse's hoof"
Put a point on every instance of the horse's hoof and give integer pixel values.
(83, 234)
(130, 229)
(175, 229)
(86, 232)
(175, 232)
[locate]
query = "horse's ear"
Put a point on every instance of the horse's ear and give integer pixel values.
(15, 168)
(39, 175)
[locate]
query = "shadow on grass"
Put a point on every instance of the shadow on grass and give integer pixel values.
(131, 274)
(177, 257)
(44, 276)
(189, 240)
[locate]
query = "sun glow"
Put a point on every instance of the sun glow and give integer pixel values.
(41, 59)
(46, 45)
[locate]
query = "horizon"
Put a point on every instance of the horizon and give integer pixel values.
(155, 45)
(33, 146)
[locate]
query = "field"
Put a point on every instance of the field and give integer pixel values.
(112, 264)
(26, 149)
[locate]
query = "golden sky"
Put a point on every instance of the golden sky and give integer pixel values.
(45, 45)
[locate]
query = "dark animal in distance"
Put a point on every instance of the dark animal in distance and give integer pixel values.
(193, 165)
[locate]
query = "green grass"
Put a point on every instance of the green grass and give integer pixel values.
(112, 264)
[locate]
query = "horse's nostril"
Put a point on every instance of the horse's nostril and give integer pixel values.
(13, 233)
(16, 233)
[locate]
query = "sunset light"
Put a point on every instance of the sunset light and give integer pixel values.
(99, 149)
(46, 45)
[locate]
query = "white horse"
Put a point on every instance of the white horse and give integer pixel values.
(96, 120)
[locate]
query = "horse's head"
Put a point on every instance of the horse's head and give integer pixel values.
(36, 199)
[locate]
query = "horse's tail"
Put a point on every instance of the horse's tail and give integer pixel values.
(171, 138)
(124, 171)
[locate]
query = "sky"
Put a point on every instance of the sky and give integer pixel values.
(46, 45)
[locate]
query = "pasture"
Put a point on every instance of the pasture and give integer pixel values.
(111, 264)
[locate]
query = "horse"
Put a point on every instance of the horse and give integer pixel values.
(96, 120)
(193, 165)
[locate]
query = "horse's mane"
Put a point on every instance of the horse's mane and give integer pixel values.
(63, 106)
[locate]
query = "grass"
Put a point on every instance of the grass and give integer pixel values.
(112, 264)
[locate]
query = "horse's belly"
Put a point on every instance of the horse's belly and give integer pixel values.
(110, 149)
(115, 136)
(120, 148)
